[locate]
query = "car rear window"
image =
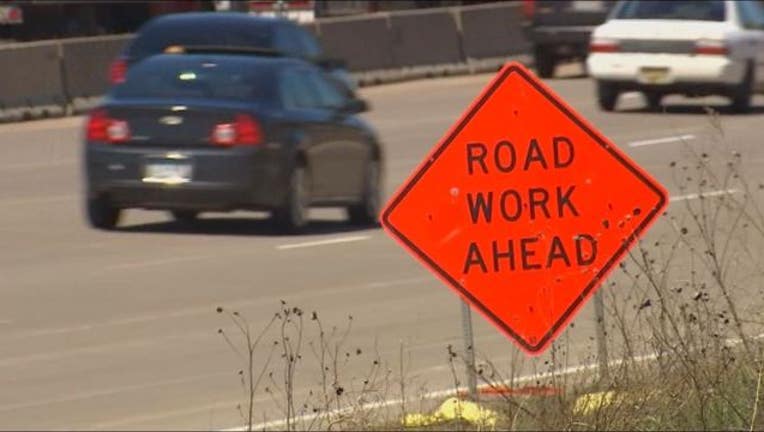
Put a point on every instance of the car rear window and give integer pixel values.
(698, 10)
(181, 77)
(155, 38)
(751, 14)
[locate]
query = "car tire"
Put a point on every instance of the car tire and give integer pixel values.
(292, 216)
(366, 212)
(102, 214)
(654, 101)
(186, 217)
(742, 94)
(585, 67)
(607, 95)
(545, 63)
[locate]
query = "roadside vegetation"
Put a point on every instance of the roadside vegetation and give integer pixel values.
(684, 332)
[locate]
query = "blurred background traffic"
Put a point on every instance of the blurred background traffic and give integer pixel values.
(379, 41)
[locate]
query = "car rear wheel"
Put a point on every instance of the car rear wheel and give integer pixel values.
(185, 216)
(742, 95)
(654, 101)
(366, 212)
(607, 95)
(292, 216)
(102, 214)
(545, 62)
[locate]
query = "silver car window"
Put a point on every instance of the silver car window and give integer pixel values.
(697, 10)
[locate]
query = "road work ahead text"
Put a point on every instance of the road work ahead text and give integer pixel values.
(510, 205)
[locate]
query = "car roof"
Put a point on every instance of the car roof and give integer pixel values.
(205, 28)
(222, 18)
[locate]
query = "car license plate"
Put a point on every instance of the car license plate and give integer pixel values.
(654, 75)
(167, 173)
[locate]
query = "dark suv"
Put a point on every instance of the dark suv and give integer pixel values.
(188, 133)
(272, 36)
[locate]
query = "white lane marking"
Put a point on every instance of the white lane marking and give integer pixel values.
(56, 124)
(411, 122)
(397, 282)
(32, 165)
(112, 391)
(703, 195)
(405, 162)
(337, 240)
(134, 422)
(48, 356)
(667, 140)
(37, 200)
(154, 263)
(572, 370)
(205, 310)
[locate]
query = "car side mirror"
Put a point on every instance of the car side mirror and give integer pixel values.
(355, 106)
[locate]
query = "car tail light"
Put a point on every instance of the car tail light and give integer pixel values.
(529, 8)
(604, 46)
(711, 47)
(243, 131)
(118, 71)
(101, 127)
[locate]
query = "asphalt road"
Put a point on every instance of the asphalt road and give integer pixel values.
(119, 330)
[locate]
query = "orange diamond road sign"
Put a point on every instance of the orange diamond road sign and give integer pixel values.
(523, 208)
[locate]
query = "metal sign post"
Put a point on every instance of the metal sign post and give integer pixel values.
(469, 350)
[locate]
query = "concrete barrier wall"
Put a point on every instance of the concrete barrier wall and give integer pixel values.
(30, 75)
(493, 31)
(86, 64)
(58, 72)
(364, 43)
(425, 38)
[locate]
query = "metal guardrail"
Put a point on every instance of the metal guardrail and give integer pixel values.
(378, 47)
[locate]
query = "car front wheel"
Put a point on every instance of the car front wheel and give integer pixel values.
(742, 94)
(367, 210)
(102, 214)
